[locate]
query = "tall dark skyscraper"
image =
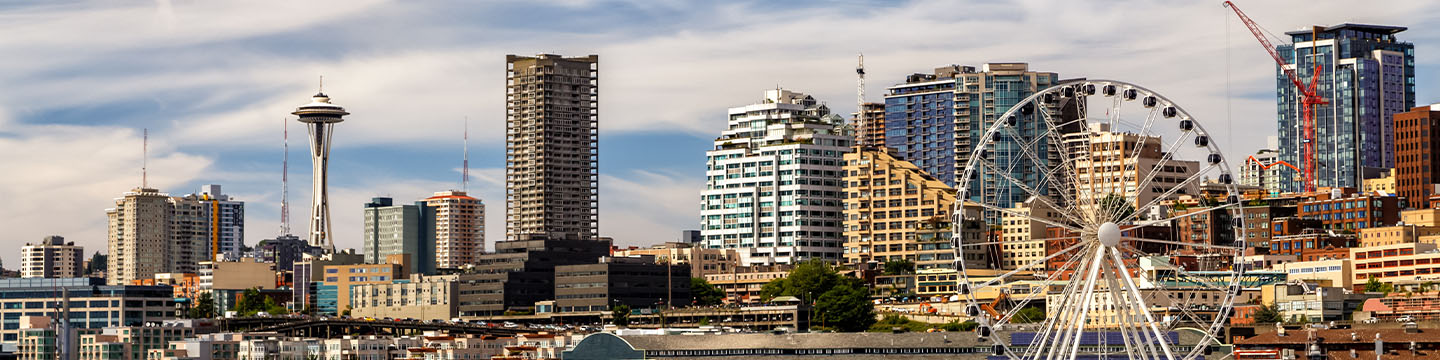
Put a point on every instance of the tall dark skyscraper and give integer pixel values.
(1368, 76)
(551, 146)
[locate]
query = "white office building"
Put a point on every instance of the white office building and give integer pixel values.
(773, 190)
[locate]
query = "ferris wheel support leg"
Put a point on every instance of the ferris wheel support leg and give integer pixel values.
(1089, 300)
(1140, 301)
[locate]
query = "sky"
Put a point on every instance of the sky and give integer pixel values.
(214, 82)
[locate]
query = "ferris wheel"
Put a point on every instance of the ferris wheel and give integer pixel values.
(1109, 245)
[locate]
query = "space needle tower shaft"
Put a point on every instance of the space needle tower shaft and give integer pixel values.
(320, 117)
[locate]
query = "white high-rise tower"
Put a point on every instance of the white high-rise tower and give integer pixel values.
(320, 117)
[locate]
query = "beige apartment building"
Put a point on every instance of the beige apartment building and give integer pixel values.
(1022, 240)
(52, 258)
(744, 286)
(422, 297)
(1404, 265)
(1385, 183)
(1109, 167)
(344, 277)
(703, 261)
(1390, 235)
(1424, 217)
(151, 232)
(895, 211)
(551, 146)
(459, 228)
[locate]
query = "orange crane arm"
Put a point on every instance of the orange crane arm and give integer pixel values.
(1251, 159)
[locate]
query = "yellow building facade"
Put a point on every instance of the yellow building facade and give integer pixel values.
(894, 211)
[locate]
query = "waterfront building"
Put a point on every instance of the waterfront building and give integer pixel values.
(227, 280)
(1309, 241)
(459, 228)
(895, 212)
(130, 342)
(1257, 221)
(773, 189)
(1353, 343)
(552, 146)
(1366, 75)
(93, 304)
(1417, 155)
(214, 346)
(1312, 303)
(419, 297)
(400, 229)
(52, 258)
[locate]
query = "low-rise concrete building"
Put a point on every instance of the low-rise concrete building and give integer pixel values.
(93, 305)
(1397, 234)
(744, 285)
(1404, 265)
(634, 281)
(703, 261)
(1329, 273)
(418, 297)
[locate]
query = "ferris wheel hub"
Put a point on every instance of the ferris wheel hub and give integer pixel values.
(1108, 234)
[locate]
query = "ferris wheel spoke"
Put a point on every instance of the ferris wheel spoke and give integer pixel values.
(1036, 195)
(1070, 171)
(1031, 265)
(1089, 299)
(1128, 323)
(1177, 217)
(1168, 193)
(1182, 243)
(1054, 321)
(1027, 216)
(1160, 166)
(1140, 302)
(1043, 290)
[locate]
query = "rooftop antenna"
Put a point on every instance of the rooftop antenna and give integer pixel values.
(465, 165)
(285, 181)
(322, 84)
(145, 159)
(860, 101)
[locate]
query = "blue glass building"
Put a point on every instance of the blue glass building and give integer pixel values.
(931, 120)
(1367, 75)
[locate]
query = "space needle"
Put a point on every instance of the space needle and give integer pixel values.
(320, 117)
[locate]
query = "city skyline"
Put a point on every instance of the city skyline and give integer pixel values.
(212, 100)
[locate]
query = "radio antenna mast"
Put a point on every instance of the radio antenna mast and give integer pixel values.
(860, 134)
(285, 180)
(145, 159)
(465, 164)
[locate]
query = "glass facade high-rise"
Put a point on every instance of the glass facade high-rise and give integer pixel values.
(933, 119)
(400, 229)
(1367, 75)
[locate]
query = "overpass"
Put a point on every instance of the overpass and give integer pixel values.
(333, 327)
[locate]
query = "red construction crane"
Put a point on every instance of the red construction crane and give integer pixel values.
(1308, 97)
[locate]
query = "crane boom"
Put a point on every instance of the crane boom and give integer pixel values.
(1308, 96)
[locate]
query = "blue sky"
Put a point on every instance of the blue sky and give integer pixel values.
(213, 81)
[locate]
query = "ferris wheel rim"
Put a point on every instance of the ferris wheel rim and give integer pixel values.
(1231, 288)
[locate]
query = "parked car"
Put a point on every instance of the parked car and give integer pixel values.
(1406, 318)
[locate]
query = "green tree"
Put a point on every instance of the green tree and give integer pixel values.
(251, 302)
(842, 303)
(1374, 285)
(1116, 204)
(1266, 314)
(705, 293)
(203, 308)
(1029, 314)
(899, 267)
(273, 308)
(846, 306)
(97, 263)
(620, 315)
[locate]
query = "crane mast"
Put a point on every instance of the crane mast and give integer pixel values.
(860, 131)
(1308, 97)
